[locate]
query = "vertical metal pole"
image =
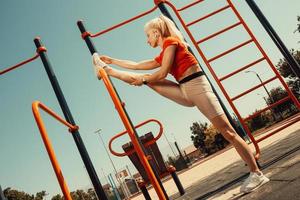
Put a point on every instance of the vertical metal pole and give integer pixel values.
(156, 176)
(170, 145)
(112, 163)
(274, 36)
(165, 12)
(115, 190)
(69, 118)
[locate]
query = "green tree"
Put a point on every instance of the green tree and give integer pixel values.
(12, 194)
(57, 197)
(285, 70)
(285, 108)
(298, 25)
(198, 135)
(206, 138)
(40, 195)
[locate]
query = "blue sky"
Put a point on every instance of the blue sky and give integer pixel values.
(24, 162)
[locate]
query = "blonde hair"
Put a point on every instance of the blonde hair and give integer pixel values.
(166, 27)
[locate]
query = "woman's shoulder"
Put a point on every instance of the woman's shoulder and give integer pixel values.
(171, 41)
(172, 38)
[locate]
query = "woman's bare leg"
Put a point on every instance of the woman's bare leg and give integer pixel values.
(164, 87)
(127, 77)
(221, 123)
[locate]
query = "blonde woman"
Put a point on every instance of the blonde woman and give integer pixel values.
(192, 88)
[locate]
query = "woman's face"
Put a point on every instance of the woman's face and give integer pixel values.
(152, 37)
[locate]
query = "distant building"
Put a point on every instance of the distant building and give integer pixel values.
(192, 152)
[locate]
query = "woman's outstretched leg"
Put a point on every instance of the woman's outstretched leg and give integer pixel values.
(166, 88)
(127, 77)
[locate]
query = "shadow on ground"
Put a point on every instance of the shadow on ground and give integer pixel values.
(278, 159)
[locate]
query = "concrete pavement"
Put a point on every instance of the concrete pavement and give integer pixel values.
(220, 176)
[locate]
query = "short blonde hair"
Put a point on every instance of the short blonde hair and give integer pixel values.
(165, 26)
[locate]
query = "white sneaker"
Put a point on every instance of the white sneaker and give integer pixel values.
(253, 182)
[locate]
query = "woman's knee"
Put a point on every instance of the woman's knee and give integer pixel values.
(223, 126)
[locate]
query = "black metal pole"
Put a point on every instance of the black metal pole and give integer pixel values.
(67, 113)
(274, 36)
(92, 51)
(165, 12)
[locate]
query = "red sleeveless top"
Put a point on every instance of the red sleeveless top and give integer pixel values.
(183, 58)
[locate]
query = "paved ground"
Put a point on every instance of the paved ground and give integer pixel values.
(220, 177)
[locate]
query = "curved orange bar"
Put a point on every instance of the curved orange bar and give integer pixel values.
(124, 132)
(35, 109)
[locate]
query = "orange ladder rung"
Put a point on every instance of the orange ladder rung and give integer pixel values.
(253, 88)
(230, 50)
(207, 16)
(219, 32)
(267, 108)
(241, 69)
(189, 5)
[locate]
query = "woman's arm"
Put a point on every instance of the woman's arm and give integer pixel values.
(143, 65)
(167, 62)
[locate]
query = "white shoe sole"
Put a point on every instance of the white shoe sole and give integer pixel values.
(258, 186)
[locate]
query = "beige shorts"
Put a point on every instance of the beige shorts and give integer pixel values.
(199, 93)
(196, 92)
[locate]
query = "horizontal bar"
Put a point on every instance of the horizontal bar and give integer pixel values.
(19, 64)
(241, 69)
(267, 108)
(219, 32)
(254, 88)
(277, 130)
(35, 107)
(125, 22)
(189, 5)
(207, 16)
(230, 50)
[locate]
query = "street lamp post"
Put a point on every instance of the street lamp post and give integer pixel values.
(263, 98)
(271, 99)
(169, 145)
(112, 163)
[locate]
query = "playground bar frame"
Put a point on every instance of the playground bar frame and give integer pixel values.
(153, 177)
(41, 52)
(69, 118)
(47, 142)
(137, 126)
(274, 36)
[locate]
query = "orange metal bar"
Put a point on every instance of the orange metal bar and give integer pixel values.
(209, 15)
(241, 69)
(124, 132)
(230, 50)
(267, 108)
(131, 134)
(123, 23)
(215, 77)
(40, 49)
(254, 88)
(19, 64)
(277, 130)
(35, 109)
(297, 103)
(189, 5)
(218, 33)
